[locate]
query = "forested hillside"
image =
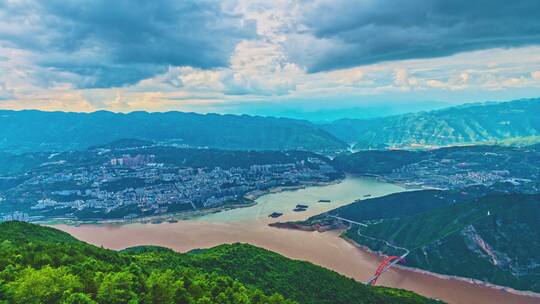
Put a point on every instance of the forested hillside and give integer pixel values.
(495, 238)
(462, 124)
(14, 164)
(44, 265)
(395, 205)
(24, 131)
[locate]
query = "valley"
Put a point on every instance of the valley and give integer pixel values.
(269, 152)
(250, 225)
(465, 214)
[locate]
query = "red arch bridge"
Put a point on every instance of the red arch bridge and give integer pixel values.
(387, 263)
(384, 266)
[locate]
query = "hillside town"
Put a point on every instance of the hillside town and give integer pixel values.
(465, 168)
(132, 186)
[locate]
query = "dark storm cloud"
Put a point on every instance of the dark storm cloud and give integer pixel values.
(122, 41)
(351, 33)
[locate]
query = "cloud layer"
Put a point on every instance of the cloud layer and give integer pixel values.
(237, 55)
(347, 33)
(113, 43)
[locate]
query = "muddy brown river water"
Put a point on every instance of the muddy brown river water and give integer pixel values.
(250, 225)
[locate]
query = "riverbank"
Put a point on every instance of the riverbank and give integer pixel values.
(251, 225)
(302, 227)
(184, 215)
(481, 283)
(410, 186)
(380, 255)
(249, 200)
(254, 195)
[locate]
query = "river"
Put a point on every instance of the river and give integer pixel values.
(250, 225)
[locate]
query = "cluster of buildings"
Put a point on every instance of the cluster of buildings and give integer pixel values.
(449, 173)
(15, 216)
(132, 186)
(132, 161)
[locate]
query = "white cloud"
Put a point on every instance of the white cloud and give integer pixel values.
(436, 83)
(403, 80)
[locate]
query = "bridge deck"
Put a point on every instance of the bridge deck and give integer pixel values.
(386, 264)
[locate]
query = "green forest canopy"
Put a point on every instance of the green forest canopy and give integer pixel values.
(43, 265)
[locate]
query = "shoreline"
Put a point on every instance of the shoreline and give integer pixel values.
(185, 215)
(255, 194)
(477, 282)
(405, 185)
(378, 254)
(250, 197)
(485, 290)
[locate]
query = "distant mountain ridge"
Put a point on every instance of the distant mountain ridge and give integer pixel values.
(30, 131)
(470, 123)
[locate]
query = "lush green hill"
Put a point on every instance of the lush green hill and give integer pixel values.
(495, 238)
(14, 164)
(377, 161)
(463, 124)
(393, 206)
(210, 158)
(58, 131)
(44, 265)
(271, 272)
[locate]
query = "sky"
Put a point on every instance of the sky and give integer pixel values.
(266, 57)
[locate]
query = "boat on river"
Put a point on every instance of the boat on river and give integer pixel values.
(275, 214)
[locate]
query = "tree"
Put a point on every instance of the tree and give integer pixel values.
(162, 287)
(78, 298)
(117, 288)
(47, 285)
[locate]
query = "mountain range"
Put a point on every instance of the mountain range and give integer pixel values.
(31, 131)
(471, 123)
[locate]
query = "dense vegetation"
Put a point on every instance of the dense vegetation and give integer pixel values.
(225, 159)
(43, 265)
(517, 160)
(14, 164)
(24, 131)
(462, 124)
(271, 272)
(495, 238)
(376, 161)
(397, 205)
